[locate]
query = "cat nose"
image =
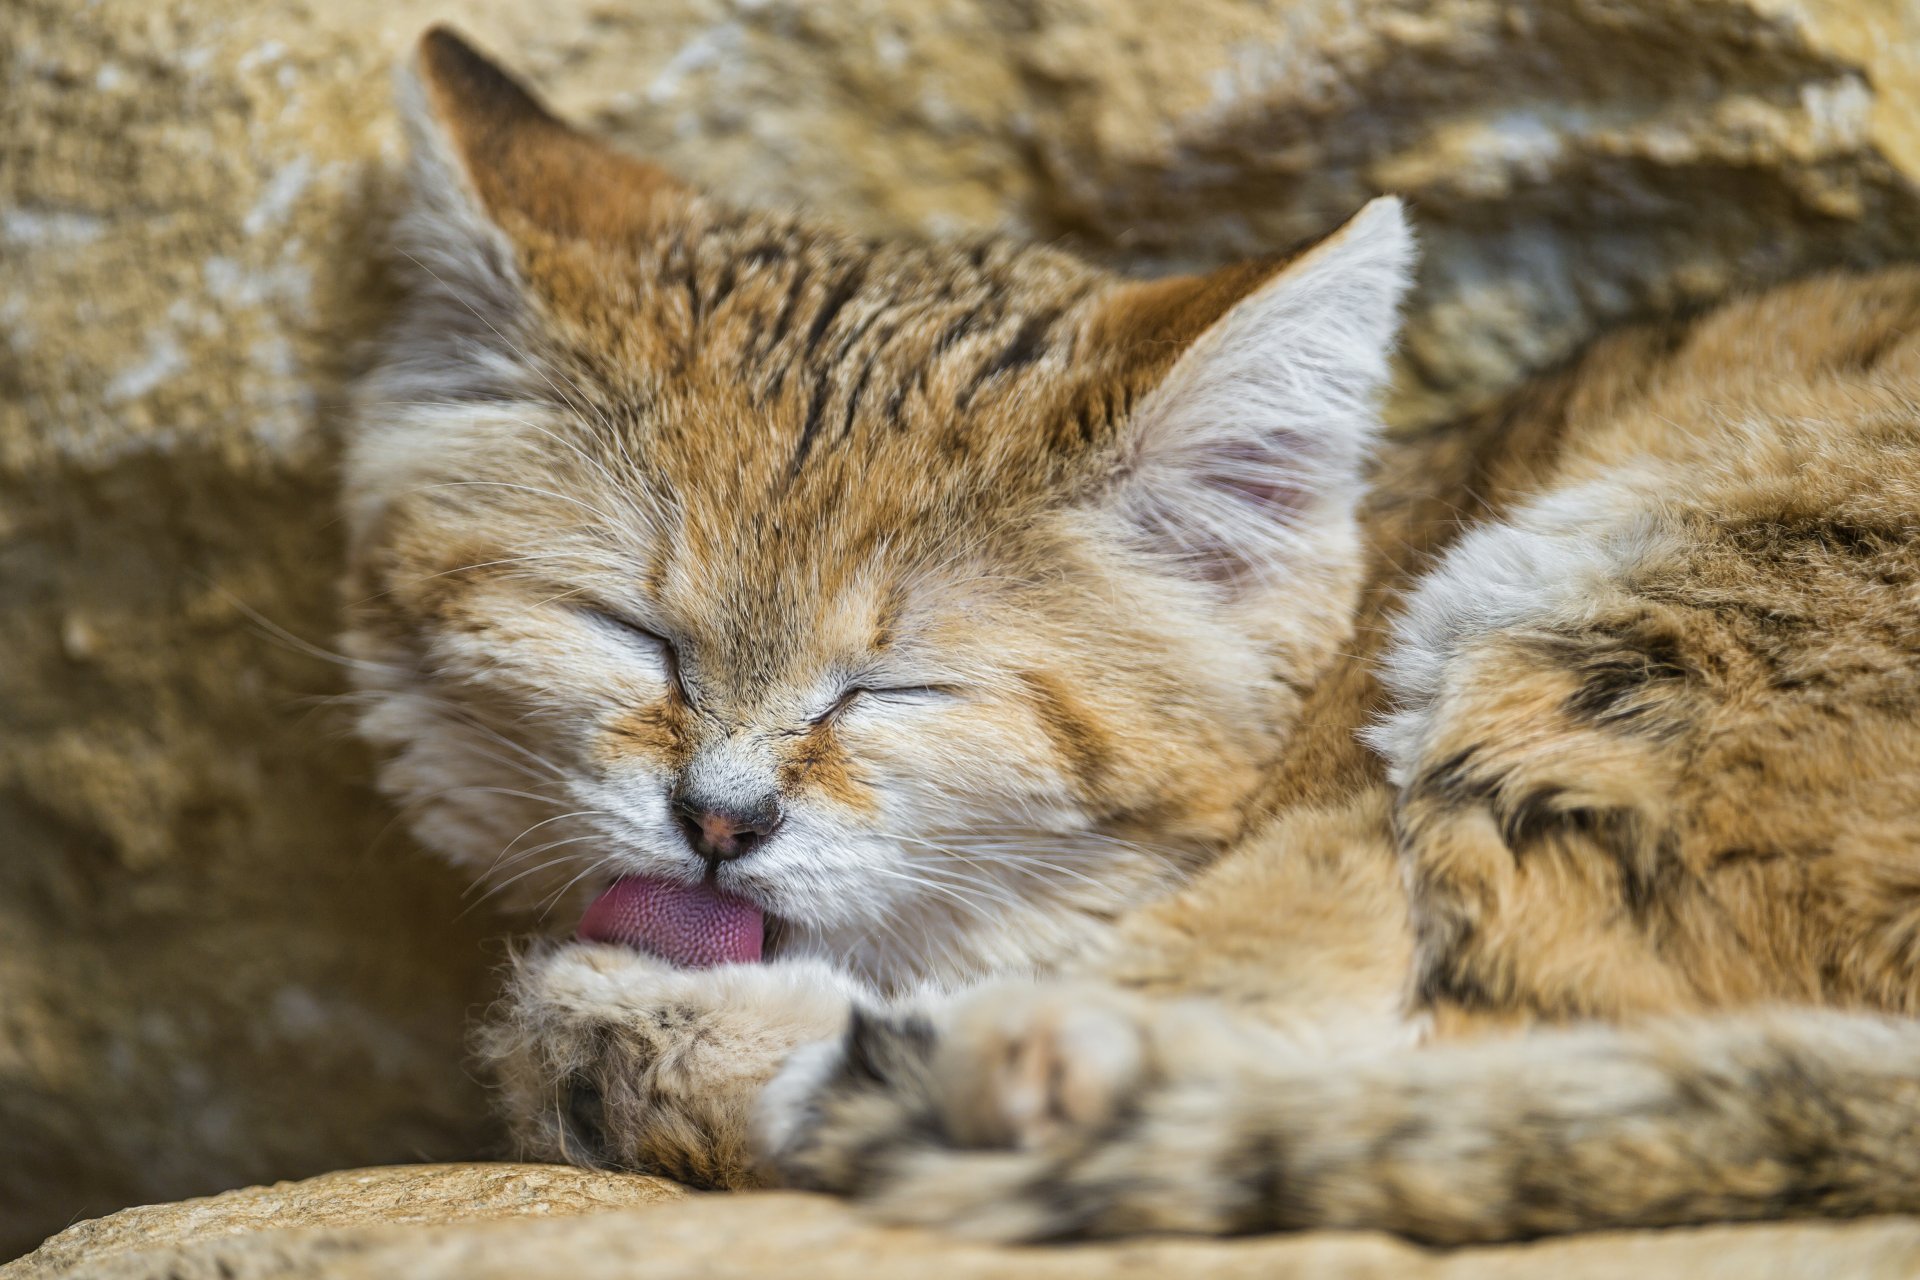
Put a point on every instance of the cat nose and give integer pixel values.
(721, 832)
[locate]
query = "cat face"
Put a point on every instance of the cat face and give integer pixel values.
(939, 599)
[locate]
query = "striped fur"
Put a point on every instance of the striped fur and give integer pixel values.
(1045, 605)
(1651, 760)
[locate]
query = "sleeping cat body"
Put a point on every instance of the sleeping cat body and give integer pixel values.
(994, 637)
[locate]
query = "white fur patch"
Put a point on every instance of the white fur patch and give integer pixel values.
(781, 1108)
(455, 362)
(445, 230)
(1544, 566)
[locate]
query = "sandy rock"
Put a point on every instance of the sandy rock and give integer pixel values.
(220, 963)
(528, 1222)
(1569, 162)
(398, 1195)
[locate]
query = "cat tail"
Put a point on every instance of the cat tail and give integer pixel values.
(1791, 1114)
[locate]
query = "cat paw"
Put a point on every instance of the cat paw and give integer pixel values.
(842, 1114)
(1025, 1067)
(610, 1058)
(1020, 1069)
(1019, 1113)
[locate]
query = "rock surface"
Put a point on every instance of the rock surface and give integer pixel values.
(535, 1222)
(218, 963)
(399, 1195)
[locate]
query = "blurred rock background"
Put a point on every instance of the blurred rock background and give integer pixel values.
(219, 962)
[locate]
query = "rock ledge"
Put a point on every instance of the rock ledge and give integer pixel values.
(534, 1222)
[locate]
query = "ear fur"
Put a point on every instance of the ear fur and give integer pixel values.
(460, 367)
(1252, 445)
(467, 292)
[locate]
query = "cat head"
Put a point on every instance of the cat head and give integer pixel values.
(936, 597)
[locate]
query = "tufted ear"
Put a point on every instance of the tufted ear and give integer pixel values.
(494, 173)
(1248, 451)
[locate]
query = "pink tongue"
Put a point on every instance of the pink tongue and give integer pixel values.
(691, 925)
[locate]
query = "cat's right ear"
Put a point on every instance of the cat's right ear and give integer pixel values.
(492, 173)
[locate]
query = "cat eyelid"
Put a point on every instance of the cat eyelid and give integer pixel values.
(669, 654)
(908, 692)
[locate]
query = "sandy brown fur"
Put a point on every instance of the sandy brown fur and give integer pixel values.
(1719, 753)
(1690, 792)
(1545, 861)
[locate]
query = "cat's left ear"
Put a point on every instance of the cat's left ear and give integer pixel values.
(1243, 462)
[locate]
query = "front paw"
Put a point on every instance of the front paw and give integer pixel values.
(1013, 1068)
(842, 1113)
(1026, 1067)
(610, 1058)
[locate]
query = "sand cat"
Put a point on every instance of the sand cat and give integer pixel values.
(1003, 763)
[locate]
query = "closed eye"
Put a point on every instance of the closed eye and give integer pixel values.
(637, 634)
(901, 693)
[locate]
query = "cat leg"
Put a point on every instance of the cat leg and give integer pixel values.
(1784, 1115)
